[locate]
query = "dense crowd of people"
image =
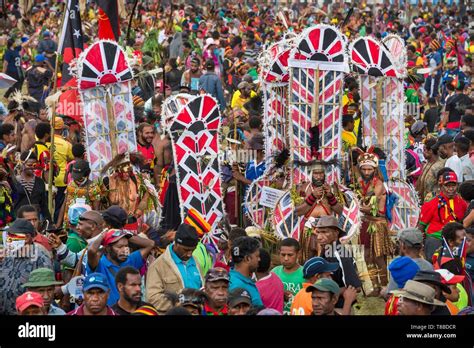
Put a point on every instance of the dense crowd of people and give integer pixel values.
(105, 248)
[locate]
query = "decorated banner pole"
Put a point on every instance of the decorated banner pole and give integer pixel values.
(53, 124)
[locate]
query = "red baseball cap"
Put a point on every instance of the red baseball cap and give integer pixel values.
(449, 278)
(28, 299)
(114, 235)
(448, 177)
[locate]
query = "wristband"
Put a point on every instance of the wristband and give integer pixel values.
(332, 201)
(310, 199)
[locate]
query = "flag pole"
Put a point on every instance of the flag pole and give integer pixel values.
(53, 123)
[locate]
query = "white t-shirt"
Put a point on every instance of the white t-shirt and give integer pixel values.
(454, 163)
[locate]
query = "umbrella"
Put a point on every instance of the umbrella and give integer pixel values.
(6, 81)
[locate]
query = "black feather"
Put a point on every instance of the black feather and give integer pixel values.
(281, 158)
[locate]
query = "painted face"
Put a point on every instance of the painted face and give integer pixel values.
(450, 189)
(119, 251)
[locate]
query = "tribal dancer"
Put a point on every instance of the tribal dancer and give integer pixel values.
(128, 188)
(374, 232)
(319, 201)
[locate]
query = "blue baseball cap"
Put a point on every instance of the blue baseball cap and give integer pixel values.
(317, 265)
(96, 280)
(40, 58)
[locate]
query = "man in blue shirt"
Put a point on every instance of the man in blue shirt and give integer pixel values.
(174, 270)
(12, 66)
(211, 83)
(117, 255)
(246, 256)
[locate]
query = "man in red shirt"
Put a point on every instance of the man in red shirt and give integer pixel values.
(446, 207)
(146, 133)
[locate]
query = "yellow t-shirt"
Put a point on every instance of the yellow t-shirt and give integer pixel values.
(238, 102)
(349, 139)
(62, 155)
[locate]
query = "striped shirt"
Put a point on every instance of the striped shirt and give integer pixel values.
(27, 184)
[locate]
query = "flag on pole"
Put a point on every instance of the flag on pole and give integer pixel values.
(71, 44)
(109, 20)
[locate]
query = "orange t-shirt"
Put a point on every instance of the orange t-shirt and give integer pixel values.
(302, 302)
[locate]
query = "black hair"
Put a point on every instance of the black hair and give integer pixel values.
(173, 63)
(470, 231)
(450, 87)
(411, 48)
(432, 101)
(121, 276)
(210, 65)
(469, 134)
(178, 311)
(42, 129)
(5, 129)
(463, 144)
(265, 261)
(346, 119)
(466, 190)
(290, 242)
(187, 44)
(236, 232)
(429, 143)
(460, 86)
(449, 230)
(242, 247)
(468, 120)
(255, 122)
(26, 209)
(78, 150)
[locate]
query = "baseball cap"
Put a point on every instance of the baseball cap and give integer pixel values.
(417, 127)
(317, 265)
(186, 235)
(218, 273)
(75, 211)
(448, 177)
(96, 280)
(28, 299)
(410, 236)
(114, 235)
(115, 214)
(238, 296)
(40, 58)
(22, 226)
(449, 278)
(41, 277)
(325, 285)
(444, 139)
(80, 169)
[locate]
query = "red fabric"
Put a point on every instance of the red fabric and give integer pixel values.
(80, 311)
(391, 306)
(42, 240)
(105, 27)
(430, 216)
